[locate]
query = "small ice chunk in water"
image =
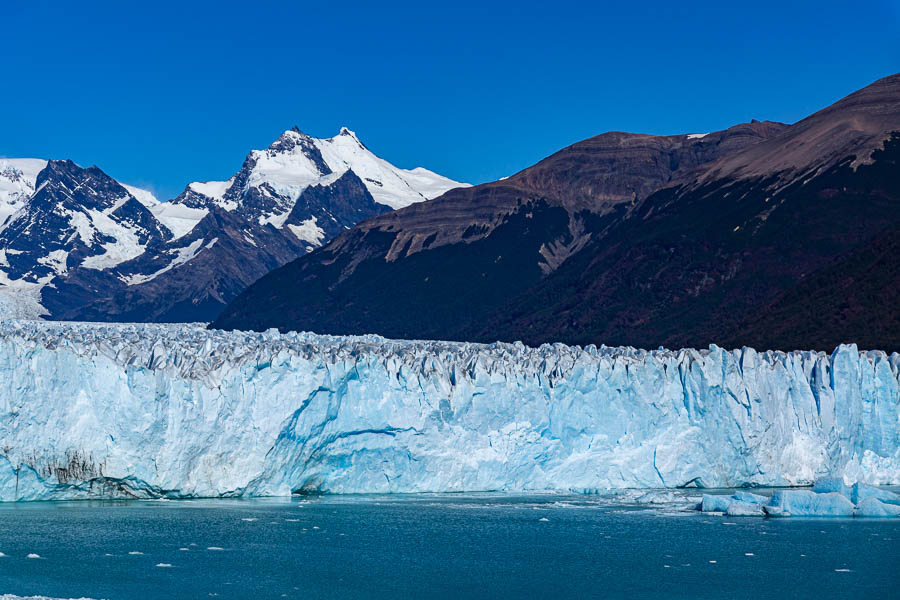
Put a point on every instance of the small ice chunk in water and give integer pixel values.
(214, 548)
(163, 564)
(2, 555)
(315, 526)
(135, 553)
(183, 549)
(544, 519)
(249, 519)
(655, 497)
(32, 555)
(842, 570)
(737, 504)
(749, 554)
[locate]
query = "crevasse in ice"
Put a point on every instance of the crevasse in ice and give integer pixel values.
(179, 411)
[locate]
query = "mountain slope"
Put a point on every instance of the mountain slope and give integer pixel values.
(690, 266)
(630, 252)
(271, 181)
(428, 270)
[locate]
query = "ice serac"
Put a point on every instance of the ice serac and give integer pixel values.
(180, 411)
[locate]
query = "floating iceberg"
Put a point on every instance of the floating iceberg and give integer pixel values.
(870, 507)
(91, 410)
(655, 497)
(737, 504)
(806, 503)
(715, 503)
(829, 497)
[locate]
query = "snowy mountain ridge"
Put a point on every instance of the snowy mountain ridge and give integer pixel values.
(17, 183)
(181, 411)
(272, 180)
(74, 217)
(58, 221)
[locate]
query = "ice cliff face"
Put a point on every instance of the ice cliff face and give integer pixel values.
(178, 411)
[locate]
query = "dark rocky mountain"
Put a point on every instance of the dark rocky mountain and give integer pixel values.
(767, 235)
(190, 281)
(76, 218)
(78, 245)
(855, 297)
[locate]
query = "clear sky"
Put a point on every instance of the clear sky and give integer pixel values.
(163, 93)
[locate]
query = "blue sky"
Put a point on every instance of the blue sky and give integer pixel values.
(160, 94)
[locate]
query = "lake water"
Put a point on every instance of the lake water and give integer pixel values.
(479, 546)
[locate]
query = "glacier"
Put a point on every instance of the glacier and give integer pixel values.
(179, 411)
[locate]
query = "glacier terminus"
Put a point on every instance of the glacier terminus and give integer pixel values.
(166, 411)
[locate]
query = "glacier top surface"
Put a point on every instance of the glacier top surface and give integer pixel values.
(192, 351)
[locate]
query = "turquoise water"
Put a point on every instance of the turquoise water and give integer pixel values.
(435, 547)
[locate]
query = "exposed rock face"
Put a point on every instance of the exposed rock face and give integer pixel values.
(625, 239)
(222, 257)
(76, 218)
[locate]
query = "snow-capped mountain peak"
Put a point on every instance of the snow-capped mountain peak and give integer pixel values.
(75, 217)
(145, 197)
(389, 185)
(346, 132)
(271, 181)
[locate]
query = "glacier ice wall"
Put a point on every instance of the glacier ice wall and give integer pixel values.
(177, 411)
